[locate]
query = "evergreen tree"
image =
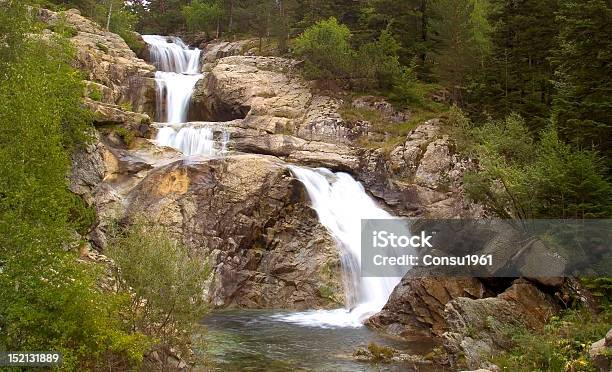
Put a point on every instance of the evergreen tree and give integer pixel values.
(583, 102)
(518, 76)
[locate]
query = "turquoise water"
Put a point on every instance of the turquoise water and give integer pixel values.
(253, 340)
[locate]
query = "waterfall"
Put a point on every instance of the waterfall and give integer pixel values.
(178, 73)
(341, 203)
(192, 140)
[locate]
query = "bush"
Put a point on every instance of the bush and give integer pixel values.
(326, 50)
(95, 94)
(378, 62)
(167, 284)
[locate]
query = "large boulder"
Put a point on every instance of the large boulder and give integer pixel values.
(269, 94)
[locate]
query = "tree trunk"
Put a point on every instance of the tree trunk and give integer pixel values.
(231, 15)
(423, 29)
(110, 11)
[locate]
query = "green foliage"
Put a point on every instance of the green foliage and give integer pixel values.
(167, 284)
(522, 178)
(381, 353)
(126, 135)
(326, 50)
(377, 61)
(62, 28)
(563, 346)
(601, 289)
(48, 301)
(583, 101)
(95, 94)
(102, 47)
(202, 15)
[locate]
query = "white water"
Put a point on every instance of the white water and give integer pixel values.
(176, 79)
(341, 203)
(178, 72)
(192, 140)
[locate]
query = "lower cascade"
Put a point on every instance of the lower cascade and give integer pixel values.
(341, 203)
(191, 140)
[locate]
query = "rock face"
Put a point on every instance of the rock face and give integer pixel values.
(416, 306)
(215, 50)
(110, 66)
(421, 177)
(269, 95)
(251, 219)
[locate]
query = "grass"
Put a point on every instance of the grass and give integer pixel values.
(95, 94)
(102, 47)
(126, 135)
(563, 346)
(385, 134)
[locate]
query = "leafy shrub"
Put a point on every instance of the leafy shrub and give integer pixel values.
(48, 300)
(378, 62)
(102, 47)
(326, 50)
(95, 94)
(167, 284)
(126, 135)
(62, 27)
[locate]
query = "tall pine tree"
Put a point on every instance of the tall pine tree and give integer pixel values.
(583, 103)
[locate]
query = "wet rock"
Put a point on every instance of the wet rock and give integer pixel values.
(416, 306)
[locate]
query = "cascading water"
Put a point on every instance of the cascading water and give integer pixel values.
(191, 140)
(341, 203)
(178, 73)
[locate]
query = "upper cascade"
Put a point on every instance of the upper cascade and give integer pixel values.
(178, 73)
(171, 54)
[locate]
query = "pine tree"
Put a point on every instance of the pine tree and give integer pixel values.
(583, 102)
(518, 76)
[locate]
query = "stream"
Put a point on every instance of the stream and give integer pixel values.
(257, 340)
